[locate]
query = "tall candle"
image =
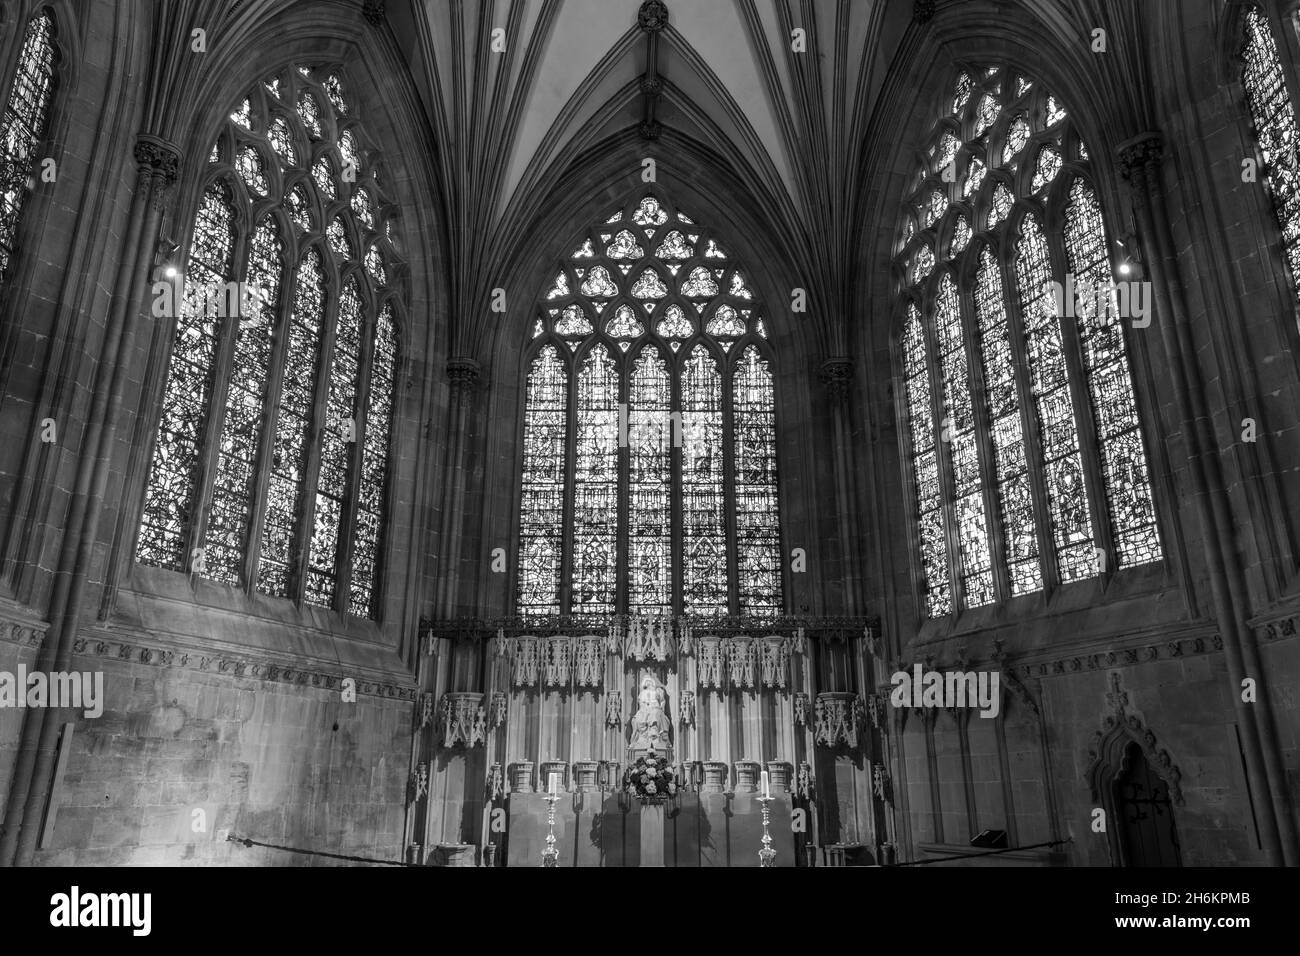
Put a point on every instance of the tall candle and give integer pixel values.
(767, 785)
(555, 783)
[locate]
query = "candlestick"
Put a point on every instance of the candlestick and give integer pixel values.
(767, 785)
(551, 855)
(766, 856)
(554, 787)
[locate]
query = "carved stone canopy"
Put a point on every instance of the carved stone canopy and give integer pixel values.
(464, 720)
(838, 719)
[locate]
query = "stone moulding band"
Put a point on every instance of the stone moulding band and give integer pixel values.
(130, 652)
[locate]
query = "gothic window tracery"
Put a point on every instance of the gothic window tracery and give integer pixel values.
(269, 469)
(649, 464)
(1022, 432)
(24, 126)
(1276, 132)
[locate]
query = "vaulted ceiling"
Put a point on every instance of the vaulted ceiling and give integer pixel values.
(569, 70)
(788, 122)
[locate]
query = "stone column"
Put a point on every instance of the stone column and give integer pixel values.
(1140, 164)
(463, 374)
(836, 375)
(157, 165)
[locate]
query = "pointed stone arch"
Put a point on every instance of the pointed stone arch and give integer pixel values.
(1107, 754)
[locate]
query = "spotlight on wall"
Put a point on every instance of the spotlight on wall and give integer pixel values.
(1130, 258)
(164, 258)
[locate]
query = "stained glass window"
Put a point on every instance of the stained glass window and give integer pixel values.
(704, 544)
(959, 441)
(925, 466)
(1002, 405)
(24, 126)
(595, 484)
(649, 445)
(541, 528)
(1274, 120)
(672, 506)
(1105, 362)
(758, 541)
(269, 470)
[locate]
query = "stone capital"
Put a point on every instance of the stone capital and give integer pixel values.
(373, 11)
(1140, 154)
(464, 373)
(836, 375)
(157, 157)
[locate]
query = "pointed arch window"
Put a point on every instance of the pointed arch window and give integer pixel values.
(269, 469)
(649, 466)
(1025, 448)
(24, 126)
(1276, 132)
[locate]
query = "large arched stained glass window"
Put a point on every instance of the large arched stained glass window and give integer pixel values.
(1274, 119)
(270, 467)
(24, 126)
(649, 463)
(1027, 458)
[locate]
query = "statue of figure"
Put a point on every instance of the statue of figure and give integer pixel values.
(650, 726)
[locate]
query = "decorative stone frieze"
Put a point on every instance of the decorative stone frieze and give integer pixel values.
(708, 669)
(588, 662)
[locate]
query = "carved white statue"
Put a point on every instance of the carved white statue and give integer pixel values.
(650, 726)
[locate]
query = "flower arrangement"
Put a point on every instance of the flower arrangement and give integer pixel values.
(650, 779)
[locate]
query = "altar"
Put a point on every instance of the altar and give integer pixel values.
(510, 712)
(699, 829)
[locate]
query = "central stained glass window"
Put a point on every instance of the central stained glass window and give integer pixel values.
(649, 462)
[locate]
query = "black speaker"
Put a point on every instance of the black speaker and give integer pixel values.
(990, 839)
